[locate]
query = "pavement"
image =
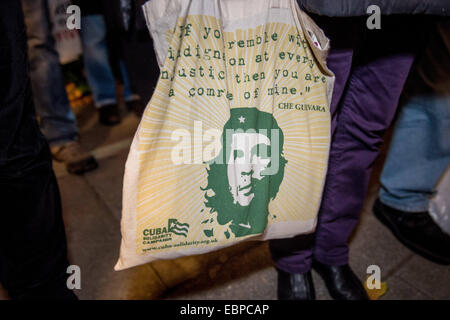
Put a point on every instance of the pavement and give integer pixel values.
(92, 210)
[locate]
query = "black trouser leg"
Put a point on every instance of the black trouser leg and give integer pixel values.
(33, 253)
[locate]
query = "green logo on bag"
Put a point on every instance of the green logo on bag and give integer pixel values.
(247, 173)
(154, 235)
(178, 228)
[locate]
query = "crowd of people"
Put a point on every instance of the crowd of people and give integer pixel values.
(401, 69)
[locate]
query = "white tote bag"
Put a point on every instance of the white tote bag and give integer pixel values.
(234, 143)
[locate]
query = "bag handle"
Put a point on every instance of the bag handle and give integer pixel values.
(309, 28)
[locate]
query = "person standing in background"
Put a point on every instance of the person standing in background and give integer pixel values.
(419, 154)
(99, 52)
(57, 121)
(126, 19)
(139, 54)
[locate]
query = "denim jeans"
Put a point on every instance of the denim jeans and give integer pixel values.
(419, 153)
(96, 60)
(57, 121)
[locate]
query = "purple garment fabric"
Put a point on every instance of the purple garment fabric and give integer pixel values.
(371, 68)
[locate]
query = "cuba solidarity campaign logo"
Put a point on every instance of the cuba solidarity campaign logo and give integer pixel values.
(178, 228)
(155, 235)
(247, 173)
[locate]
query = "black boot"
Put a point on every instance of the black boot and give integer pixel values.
(417, 231)
(341, 282)
(298, 286)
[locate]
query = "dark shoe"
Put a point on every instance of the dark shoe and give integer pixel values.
(136, 106)
(417, 231)
(76, 159)
(341, 282)
(109, 115)
(297, 286)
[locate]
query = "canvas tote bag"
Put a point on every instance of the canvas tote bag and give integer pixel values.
(234, 143)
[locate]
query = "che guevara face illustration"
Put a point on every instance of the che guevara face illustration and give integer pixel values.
(247, 173)
(248, 159)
